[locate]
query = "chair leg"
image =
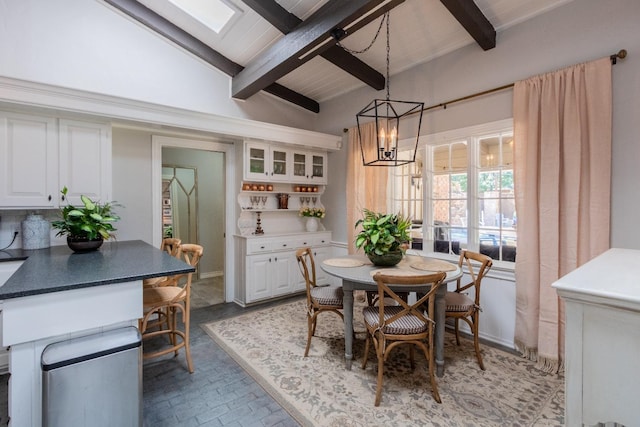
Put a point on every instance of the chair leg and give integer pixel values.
(380, 372)
(476, 341)
(310, 328)
(457, 333)
(187, 347)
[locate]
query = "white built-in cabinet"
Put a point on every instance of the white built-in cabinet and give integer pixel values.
(269, 268)
(269, 162)
(267, 262)
(40, 155)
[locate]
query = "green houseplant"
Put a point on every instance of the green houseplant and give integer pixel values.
(87, 226)
(383, 237)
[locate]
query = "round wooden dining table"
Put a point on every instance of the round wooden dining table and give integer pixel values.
(356, 272)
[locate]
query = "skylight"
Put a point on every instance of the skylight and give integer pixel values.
(215, 14)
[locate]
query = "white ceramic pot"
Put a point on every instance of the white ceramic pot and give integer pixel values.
(312, 224)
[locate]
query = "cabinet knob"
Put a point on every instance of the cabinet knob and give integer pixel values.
(261, 247)
(63, 196)
(49, 198)
(304, 244)
(284, 245)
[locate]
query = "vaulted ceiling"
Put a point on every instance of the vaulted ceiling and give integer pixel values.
(289, 48)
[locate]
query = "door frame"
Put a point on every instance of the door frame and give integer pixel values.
(228, 148)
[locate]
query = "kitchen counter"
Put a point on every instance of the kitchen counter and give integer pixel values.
(58, 268)
(56, 295)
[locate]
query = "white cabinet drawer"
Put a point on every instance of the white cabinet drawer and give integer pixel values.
(257, 246)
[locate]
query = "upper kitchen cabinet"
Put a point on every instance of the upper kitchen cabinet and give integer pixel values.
(29, 156)
(268, 162)
(85, 160)
(309, 167)
(264, 162)
(40, 155)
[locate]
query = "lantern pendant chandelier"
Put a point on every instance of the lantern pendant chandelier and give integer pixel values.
(387, 114)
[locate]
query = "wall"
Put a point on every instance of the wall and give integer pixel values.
(88, 45)
(579, 31)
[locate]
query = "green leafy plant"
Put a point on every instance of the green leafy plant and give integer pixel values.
(91, 221)
(382, 233)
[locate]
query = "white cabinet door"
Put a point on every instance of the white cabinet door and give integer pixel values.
(282, 282)
(85, 160)
(256, 161)
(258, 280)
(280, 164)
(309, 167)
(29, 161)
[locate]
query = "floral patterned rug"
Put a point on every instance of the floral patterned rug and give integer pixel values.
(319, 391)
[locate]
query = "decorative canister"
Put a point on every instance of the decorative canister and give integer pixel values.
(35, 232)
(246, 186)
(269, 187)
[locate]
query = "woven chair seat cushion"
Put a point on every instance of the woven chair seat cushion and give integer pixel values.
(406, 325)
(152, 297)
(456, 301)
(327, 295)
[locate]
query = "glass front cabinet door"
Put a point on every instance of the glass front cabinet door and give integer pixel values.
(257, 161)
(279, 164)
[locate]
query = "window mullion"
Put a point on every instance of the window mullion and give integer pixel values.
(472, 194)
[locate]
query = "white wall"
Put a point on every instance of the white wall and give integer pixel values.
(580, 31)
(88, 45)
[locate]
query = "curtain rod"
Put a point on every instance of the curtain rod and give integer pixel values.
(614, 59)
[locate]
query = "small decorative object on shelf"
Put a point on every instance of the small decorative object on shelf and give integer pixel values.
(283, 201)
(87, 226)
(269, 187)
(259, 229)
(312, 215)
(246, 187)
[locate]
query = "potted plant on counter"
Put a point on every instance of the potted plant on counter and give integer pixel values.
(384, 237)
(87, 226)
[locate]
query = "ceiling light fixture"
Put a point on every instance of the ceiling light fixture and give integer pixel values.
(387, 114)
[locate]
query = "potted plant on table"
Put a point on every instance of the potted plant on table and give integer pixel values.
(87, 226)
(384, 237)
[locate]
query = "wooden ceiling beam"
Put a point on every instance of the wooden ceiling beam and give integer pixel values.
(191, 44)
(286, 22)
(311, 38)
(474, 21)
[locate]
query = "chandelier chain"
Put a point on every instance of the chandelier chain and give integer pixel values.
(356, 52)
(388, 53)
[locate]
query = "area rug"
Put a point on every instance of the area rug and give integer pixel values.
(319, 391)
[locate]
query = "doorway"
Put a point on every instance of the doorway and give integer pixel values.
(192, 206)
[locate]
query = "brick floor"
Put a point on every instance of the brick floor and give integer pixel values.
(218, 393)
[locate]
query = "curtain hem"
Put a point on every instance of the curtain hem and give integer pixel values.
(545, 364)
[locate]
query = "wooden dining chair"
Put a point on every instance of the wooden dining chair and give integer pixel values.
(460, 306)
(172, 247)
(320, 299)
(165, 302)
(389, 326)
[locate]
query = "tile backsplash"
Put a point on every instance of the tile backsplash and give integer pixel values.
(10, 221)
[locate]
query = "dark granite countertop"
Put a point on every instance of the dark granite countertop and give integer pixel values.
(57, 268)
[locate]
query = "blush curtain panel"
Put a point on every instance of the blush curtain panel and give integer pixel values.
(366, 185)
(562, 129)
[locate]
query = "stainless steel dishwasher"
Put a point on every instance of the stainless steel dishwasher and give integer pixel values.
(94, 380)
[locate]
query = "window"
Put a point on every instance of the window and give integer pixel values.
(407, 196)
(466, 200)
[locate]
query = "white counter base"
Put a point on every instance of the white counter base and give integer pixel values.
(31, 323)
(602, 340)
